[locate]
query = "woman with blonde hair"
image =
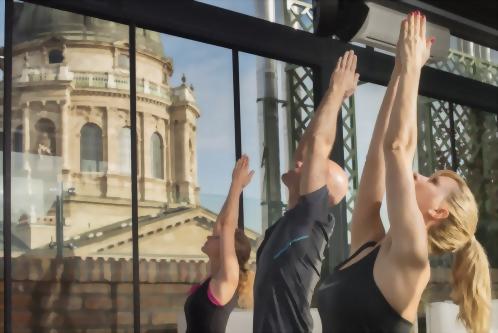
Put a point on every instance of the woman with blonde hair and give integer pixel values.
(209, 304)
(379, 287)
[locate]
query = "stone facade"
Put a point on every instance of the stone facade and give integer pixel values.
(71, 120)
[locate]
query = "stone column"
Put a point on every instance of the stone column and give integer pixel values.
(64, 110)
(181, 144)
(140, 155)
(26, 131)
(167, 159)
(194, 175)
(113, 140)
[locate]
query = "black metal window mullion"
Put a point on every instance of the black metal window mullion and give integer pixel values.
(238, 131)
(134, 180)
(7, 149)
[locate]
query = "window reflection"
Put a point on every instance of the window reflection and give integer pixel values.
(91, 158)
(70, 199)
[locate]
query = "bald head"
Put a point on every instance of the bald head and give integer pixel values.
(337, 182)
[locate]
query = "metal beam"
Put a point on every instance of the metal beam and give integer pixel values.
(218, 26)
(222, 27)
(134, 178)
(237, 125)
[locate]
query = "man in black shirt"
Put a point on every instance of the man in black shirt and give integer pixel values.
(290, 257)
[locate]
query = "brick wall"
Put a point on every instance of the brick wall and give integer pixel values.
(96, 295)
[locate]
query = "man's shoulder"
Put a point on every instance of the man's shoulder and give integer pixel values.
(319, 195)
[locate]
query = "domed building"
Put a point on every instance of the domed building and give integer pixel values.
(71, 137)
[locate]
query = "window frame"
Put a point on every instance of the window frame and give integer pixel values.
(221, 27)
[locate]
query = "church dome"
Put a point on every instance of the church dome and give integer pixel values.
(33, 21)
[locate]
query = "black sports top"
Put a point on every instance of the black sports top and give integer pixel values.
(350, 301)
(203, 315)
(288, 266)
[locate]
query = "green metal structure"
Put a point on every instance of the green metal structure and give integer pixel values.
(454, 136)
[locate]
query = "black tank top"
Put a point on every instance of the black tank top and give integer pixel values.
(202, 315)
(350, 301)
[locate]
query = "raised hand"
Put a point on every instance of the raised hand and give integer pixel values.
(344, 79)
(414, 48)
(241, 176)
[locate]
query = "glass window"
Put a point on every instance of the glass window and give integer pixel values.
(45, 132)
(268, 10)
(55, 56)
(470, 60)
(17, 144)
(186, 154)
(66, 126)
(295, 13)
(124, 61)
(157, 156)
(125, 150)
(367, 101)
(91, 148)
(265, 115)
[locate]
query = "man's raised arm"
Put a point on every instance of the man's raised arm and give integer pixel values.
(319, 137)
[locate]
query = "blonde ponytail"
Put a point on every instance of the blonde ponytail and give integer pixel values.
(472, 286)
(471, 275)
(244, 289)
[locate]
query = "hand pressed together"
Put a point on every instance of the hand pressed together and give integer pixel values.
(413, 48)
(344, 79)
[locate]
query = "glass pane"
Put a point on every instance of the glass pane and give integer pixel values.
(471, 60)
(453, 136)
(295, 13)
(71, 204)
(270, 10)
(474, 157)
(367, 101)
(157, 156)
(186, 156)
(265, 116)
(125, 150)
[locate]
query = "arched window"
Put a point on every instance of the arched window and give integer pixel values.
(123, 61)
(157, 156)
(17, 144)
(17, 147)
(55, 56)
(125, 150)
(91, 152)
(45, 145)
